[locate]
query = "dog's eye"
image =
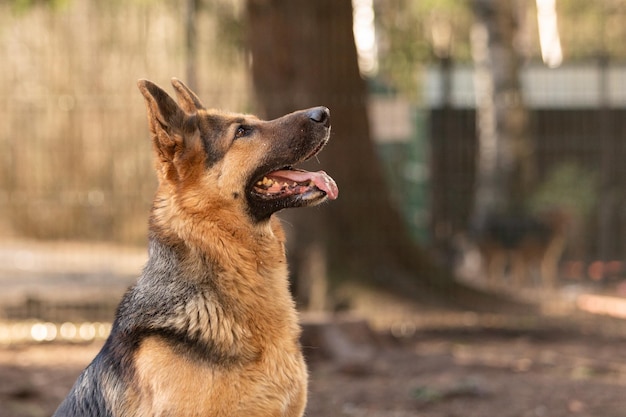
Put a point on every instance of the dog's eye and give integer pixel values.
(242, 131)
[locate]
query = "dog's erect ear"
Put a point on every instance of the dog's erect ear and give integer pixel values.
(165, 119)
(187, 99)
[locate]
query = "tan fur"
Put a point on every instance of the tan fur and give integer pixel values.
(259, 327)
(178, 386)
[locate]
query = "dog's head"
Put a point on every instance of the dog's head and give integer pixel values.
(208, 159)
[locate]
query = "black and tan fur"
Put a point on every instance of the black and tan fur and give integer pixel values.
(528, 246)
(210, 328)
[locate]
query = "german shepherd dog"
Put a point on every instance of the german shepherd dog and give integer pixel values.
(210, 328)
(526, 245)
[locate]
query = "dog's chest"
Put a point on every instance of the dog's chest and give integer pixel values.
(171, 384)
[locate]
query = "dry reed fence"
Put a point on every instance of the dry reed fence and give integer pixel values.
(76, 159)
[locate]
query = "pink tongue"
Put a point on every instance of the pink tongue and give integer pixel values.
(321, 180)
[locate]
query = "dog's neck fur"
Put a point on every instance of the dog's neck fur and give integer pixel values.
(202, 274)
(201, 231)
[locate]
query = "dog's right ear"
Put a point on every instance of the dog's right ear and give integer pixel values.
(166, 123)
(187, 99)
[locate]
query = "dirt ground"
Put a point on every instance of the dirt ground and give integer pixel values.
(456, 372)
(439, 364)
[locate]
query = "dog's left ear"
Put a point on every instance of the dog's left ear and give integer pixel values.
(166, 121)
(187, 99)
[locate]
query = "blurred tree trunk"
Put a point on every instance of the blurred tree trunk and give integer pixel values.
(303, 55)
(505, 167)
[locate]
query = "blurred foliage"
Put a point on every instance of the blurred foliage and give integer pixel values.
(591, 29)
(567, 186)
(228, 14)
(407, 31)
(230, 19)
(406, 37)
(22, 6)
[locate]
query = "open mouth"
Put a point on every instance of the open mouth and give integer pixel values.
(289, 182)
(276, 185)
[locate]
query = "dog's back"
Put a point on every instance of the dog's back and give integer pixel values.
(210, 328)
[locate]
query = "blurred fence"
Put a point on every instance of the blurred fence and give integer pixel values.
(577, 129)
(76, 159)
(587, 144)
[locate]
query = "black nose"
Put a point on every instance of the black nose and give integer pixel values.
(319, 115)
